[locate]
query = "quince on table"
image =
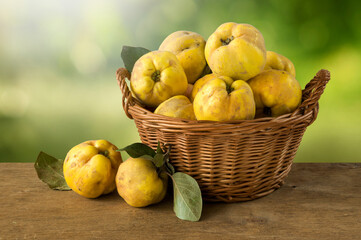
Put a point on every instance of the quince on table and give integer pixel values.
(90, 168)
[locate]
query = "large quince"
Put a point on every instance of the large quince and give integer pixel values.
(279, 62)
(236, 50)
(139, 183)
(90, 168)
(276, 92)
(189, 49)
(178, 107)
(157, 76)
(218, 100)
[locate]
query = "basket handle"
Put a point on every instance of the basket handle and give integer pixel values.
(127, 98)
(312, 92)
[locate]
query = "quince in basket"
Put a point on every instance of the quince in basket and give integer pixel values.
(90, 168)
(199, 84)
(279, 62)
(178, 106)
(219, 100)
(203, 80)
(276, 92)
(236, 50)
(157, 76)
(189, 49)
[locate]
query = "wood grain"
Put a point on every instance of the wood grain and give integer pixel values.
(318, 201)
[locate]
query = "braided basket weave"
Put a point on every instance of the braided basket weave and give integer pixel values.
(231, 161)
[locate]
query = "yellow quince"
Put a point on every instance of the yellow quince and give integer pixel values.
(90, 168)
(236, 50)
(189, 49)
(279, 62)
(203, 80)
(275, 92)
(157, 76)
(218, 100)
(178, 107)
(139, 183)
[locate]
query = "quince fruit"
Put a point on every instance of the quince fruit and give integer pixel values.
(219, 100)
(178, 107)
(90, 168)
(139, 183)
(157, 76)
(236, 50)
(189, 49)
(203, 80)
(275, 92)
(279, 62)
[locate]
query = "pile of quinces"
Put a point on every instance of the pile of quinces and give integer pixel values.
(244, 80)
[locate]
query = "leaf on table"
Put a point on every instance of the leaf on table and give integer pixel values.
(136, 150)
(187, 197)
(50, 171)
(131, 54)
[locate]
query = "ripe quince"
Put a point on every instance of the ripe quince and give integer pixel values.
(276, 92)
(279, 62)
(178, 107)
(157, 76)
(236, 50)
(139, 183)
(203, 80)
(218, 100)
(189, 49)
(90, 168)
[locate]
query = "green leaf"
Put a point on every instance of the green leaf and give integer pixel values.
(50, 171)
(150, 158)
(159, 149)
(187, 197)
(158, 160)
(131, 54)
(136, 150)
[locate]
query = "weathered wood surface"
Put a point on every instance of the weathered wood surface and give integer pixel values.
(318, 201)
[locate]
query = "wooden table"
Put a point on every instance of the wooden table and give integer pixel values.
(318, 201)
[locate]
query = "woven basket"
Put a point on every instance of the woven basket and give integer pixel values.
(231, 161)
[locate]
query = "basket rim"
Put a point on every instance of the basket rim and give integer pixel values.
(306, 111)
(187, 123)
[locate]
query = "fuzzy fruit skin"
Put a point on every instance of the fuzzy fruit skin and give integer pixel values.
(189, 49)
(90, 168)
(279, 62)
(157, 76)
(219, 101)
(139, 184)
(276, 90)
(236, 50)
(200, 83)
(178, 106)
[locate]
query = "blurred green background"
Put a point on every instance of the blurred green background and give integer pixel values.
(58, 61)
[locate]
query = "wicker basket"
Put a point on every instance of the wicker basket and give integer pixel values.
(232, 161)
